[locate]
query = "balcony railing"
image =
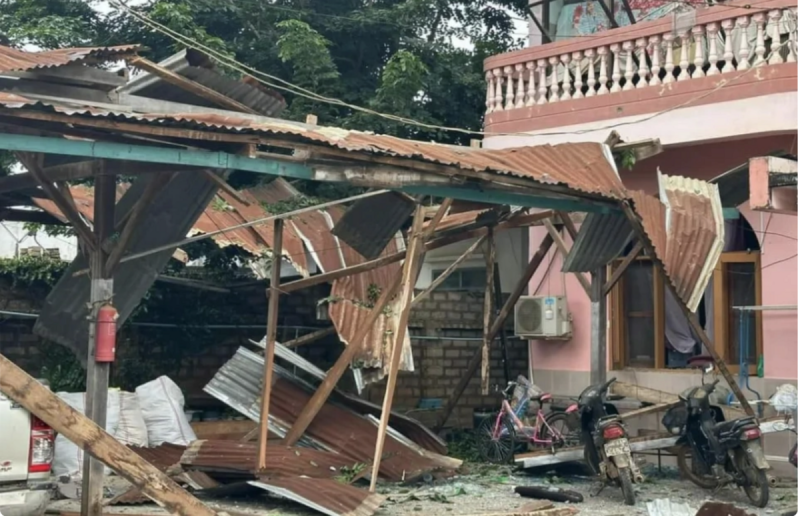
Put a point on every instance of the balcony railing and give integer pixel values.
(725, 39)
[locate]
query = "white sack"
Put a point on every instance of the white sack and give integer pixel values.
(785, 399)
(161, 402)
(131, 429)
(68, 459)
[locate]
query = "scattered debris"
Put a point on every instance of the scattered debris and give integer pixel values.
(666, 507)
(536, 505)
(560, 511)
(721, 509)
(549, 493)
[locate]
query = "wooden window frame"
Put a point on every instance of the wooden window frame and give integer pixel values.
(721, 316)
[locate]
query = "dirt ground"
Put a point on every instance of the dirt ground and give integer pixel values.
(490, 489)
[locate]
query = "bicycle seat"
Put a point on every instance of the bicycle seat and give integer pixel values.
(542, 398)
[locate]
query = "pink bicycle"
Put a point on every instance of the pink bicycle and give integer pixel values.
(500, 436)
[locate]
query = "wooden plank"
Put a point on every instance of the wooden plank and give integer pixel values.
(225, 187)
(324, 390)
(222, 429)
(272, 331)
(133, 217)
(505, 312)
(191, 86)
(660, 397)
(694, 322)
(569, 225)
(31, 162)
(623, 266)
(448, 271)
(311, 337)
(409, 276)
(660, 407)
(562, 247)
(488, 298)
(44, 404)
(97, 373)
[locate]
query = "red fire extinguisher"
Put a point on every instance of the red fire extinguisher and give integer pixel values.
(106, 334)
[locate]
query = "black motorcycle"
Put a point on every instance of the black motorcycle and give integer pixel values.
(712, 452)
(607, 450)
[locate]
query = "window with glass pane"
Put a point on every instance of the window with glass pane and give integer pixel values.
(741, 279)
(639, 312)
(463, 279)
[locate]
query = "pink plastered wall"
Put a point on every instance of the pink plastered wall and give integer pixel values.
(779, 282)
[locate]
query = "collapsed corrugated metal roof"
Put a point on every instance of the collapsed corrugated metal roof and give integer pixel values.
(335, 428)
(14, 60)
(326, 496)
(198, 67)
(369, 224)
(171, 214)
(601, 238)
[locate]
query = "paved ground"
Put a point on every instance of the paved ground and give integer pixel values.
(488, 489)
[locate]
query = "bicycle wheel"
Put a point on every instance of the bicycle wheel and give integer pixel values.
(496, 447)
(557, 430)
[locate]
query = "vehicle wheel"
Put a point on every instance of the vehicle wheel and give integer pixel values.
(756, 485)
(626, 484)
(562, 434)
(497, 449)
(694, 468)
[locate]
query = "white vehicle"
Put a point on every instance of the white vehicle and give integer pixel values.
(26, 458)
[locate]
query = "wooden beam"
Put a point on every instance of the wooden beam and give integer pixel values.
(30, 161)
(562, 247)
(488, 298)
(694, 322)
(133, 217)
(324, 390)
(569, 224)
(508, 307)
(598, 334)
(191, 86)
(660, 407)
(97, 373)
(272, 331)
(225, 187)
(44, 404)
(311, 337)
(447, 272)
(409, 275)
(649, 395)
(38, 217)
(619, 271)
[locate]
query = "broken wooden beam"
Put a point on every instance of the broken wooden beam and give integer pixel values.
(660, 407)
(622, 267)
(44, 404)
(448, 271)
(309, 338)
(662, 398)
(562, 247)
(488, 312)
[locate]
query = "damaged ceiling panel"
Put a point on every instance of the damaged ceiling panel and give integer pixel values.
(198, 67)
(601, 239)
(370, 224)
(170, 216)
(695, 234)
(326, 496)
(334, 429)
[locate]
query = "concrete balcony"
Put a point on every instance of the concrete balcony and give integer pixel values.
(580, 88)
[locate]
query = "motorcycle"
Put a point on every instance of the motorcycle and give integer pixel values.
(607, 450)
(720, 451)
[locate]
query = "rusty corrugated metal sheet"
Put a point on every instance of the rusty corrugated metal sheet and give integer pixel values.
(369, 224)
(198, 67)
(601, 238)
(695, 234)
(14, 60)
(234, 456)
(166, 456)
(326, 496)
(582, 167)
(132, 496)
(335, 428)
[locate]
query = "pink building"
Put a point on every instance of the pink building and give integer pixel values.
(718, 86)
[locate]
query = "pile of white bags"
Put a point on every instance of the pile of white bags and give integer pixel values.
(149, 417)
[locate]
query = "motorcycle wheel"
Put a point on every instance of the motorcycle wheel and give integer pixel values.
(694, 468)
(756, 485)
(626, 484)
(500, 449)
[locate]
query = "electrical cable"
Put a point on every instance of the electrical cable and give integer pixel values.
(300, 91)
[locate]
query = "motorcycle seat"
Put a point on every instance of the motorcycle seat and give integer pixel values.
(735, 424)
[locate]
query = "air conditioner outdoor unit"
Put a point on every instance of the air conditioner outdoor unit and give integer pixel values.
(542, 317)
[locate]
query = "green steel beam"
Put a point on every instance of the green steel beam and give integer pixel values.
(150, 154)
(510, 198)
(209, 159)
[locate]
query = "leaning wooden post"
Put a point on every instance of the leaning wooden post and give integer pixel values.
(42, 403)
(97, 372)
(508, 307)
(272, 331)
(690, 316)
(488, 296)
(406, 291)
